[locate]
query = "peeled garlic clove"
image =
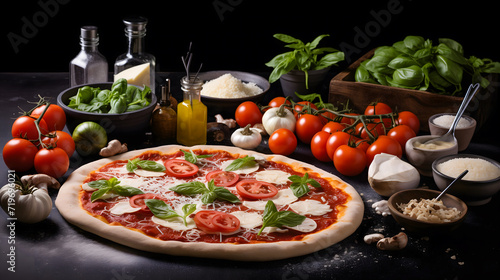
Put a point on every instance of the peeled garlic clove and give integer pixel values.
(389, 174)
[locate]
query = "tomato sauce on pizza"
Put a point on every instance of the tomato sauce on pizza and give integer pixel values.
(171, 204)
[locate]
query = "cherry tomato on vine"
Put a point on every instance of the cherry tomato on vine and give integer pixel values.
(375, 128)
(318, 146)
(327, 117)
(54, 116)
(283, 142)
(336, 140)
(379, 108)
(25, 127)
(349, 161)
(306, 126)
(303, 108)
(383, 144)
(62, 140)
(401, 133)
(18, 154)
(278, 101)
(347, 120)
(53, 162)
(410, 119)
(248, 113)
(332, 127)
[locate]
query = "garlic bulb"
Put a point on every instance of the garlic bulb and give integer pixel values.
(389, 174)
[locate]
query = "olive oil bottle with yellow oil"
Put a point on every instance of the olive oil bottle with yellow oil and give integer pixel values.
(191, 114)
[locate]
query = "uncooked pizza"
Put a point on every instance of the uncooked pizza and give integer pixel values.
(212, 202)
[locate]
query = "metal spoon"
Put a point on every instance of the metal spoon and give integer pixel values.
(448, 187)
(450, 135)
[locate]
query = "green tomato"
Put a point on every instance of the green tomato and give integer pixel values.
(89, 138)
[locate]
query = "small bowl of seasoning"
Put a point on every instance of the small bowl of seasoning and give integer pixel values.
(422, 155)
(439, 124)
(418, 210)
(478, 186)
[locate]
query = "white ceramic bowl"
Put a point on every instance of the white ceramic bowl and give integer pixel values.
(422, 159)
(463, 135)
(472, 192)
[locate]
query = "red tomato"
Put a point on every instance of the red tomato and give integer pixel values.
(253, 189)
(303, 107)
(318, 146)
(25, 127)
(62, 140)
(54, 116)
(306, 126)
(180, 168)
(327, 117)
(362, 144)
(379, 108)
(332, 127)
(347, 120)
(53, 162)
(384, 144)
(376, 129)
(137, 201)
(278, 101)
(223, 178)
(248, 113)
(19, 154)
(349, 161)
(335, 140)
(283, 142)
(409, 119)
(401, 133)
(213, 222)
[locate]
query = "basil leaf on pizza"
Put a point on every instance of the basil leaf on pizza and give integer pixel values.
(192, 157)
(300, 185)
(274, 218)
(241, 163)
(209, 193)
(112, 185)
(148, 165)
(162, 210)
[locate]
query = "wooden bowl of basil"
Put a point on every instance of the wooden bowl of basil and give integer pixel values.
(123, 110)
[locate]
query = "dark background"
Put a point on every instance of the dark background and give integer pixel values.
(43, 35)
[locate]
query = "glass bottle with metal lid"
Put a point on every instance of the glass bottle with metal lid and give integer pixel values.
(191, 114)
(89, 66)
(136, 65)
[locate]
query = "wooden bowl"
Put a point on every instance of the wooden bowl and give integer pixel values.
(424, 227)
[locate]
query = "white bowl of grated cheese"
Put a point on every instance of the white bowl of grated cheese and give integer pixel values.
(478, 186)
(439, 124)
(223, 91)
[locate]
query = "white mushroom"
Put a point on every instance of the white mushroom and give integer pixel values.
(41, 181)
(397, 242)
(229, 122)
(372, 238)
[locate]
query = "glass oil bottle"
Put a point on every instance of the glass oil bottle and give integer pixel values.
(191, 113)
(89, 66)
(164, 119)
(136, 56)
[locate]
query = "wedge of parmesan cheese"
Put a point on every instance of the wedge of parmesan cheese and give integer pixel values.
(137, 75)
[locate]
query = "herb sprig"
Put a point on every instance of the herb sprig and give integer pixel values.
(209, 193)
(274, 218)
(112, 185)
(148, 165)
(300, 185)
(240, 163)
(162, 210)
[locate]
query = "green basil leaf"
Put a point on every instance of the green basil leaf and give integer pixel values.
(300, 185)
(192, 157)
(160, 208)
(132, 164)
(126, 190)
(274, 218)
(98, 184)
(448, 69)
(241, 163)
(208, 197)
(225, 194)
(190, 189)
(150, 165)
(286, 38)
(188, 209)
(409, 76)
(99, 193)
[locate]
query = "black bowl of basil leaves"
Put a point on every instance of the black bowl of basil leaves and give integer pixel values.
(123, 110)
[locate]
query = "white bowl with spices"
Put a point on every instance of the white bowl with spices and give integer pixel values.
(439, 124)
(478, 186)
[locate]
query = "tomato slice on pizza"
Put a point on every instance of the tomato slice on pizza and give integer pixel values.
(223, 178)
(180, 168)
(253, 189)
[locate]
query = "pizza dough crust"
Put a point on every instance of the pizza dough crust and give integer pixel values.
(68, 204)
